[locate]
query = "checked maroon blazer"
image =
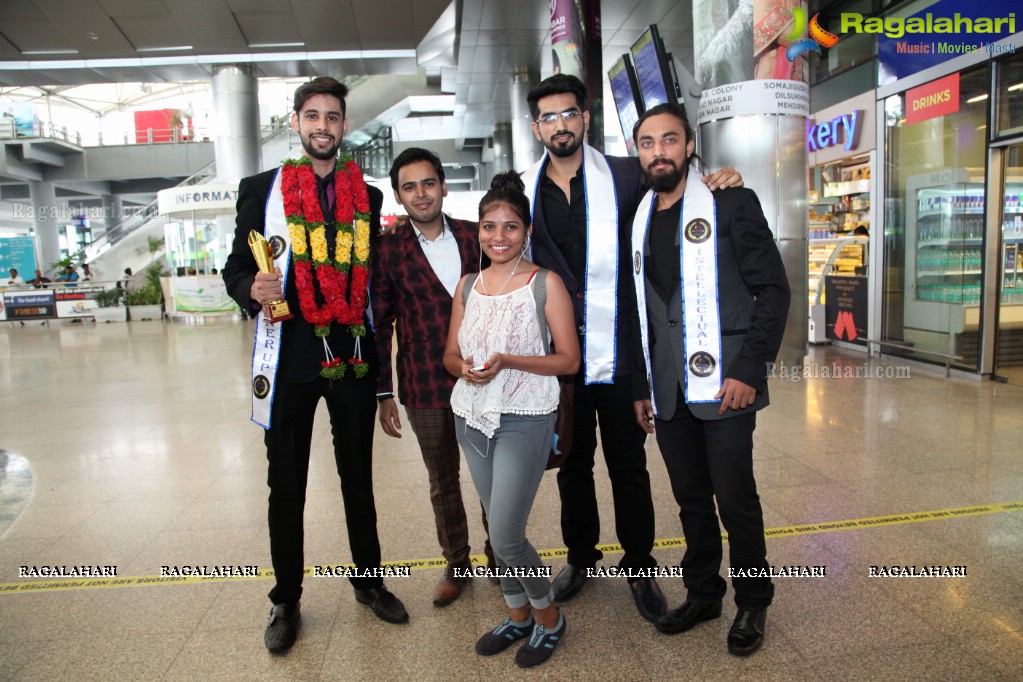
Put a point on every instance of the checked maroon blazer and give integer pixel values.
(406, 293)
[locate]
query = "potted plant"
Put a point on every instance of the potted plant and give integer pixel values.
(145, 301)
(109, 306)
(59, 267)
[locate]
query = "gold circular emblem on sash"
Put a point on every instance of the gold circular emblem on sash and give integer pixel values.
(702, 363)
(277, 246)
(261, 386)
(637, 261)
(697, 231)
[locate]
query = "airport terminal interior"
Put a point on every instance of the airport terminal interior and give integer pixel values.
(888, 463)
(131, 445)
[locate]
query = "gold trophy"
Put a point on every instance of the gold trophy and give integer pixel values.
(275, 311)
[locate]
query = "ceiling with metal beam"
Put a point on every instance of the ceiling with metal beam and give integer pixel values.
(465, 48)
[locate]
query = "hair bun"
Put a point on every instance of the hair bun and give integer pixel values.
(508, 180)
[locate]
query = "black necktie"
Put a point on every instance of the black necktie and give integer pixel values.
(322, 184)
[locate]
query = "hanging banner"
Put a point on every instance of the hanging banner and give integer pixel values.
(938, 32)
(777, 24)
(722, 42)
(576, 47)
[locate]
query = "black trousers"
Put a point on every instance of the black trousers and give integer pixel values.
(351, 404)
(708, 459)
(622, 441)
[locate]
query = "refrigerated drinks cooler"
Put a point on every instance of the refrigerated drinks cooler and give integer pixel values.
(945, 257)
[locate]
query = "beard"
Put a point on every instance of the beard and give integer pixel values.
(563, 150)
(421, 217)
(320, 154)
(664, 181)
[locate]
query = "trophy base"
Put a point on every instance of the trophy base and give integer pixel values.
(277, 311)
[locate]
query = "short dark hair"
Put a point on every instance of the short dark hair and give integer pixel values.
(558, 84)
(324, 85)
(676, 110)
(414, 155)
(507, 188)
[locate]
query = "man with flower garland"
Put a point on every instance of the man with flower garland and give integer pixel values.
(318, 216)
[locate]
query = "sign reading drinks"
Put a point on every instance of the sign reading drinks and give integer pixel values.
(933, 99)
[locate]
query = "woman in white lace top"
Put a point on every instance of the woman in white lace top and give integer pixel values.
(504, 404)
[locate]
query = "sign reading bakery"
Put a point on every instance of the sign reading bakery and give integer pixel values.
(933, 99)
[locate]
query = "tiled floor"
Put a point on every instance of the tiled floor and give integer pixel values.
(137, 451)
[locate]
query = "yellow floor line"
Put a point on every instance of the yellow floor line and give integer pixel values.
(84, 582)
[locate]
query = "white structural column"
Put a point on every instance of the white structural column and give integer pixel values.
(113, 214)
(47, 223)
(502, 148)
(525, 147)
(236, 103)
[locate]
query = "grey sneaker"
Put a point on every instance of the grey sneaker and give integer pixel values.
(502, 637)
(541, 644)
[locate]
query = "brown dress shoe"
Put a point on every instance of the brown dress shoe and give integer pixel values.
(450, 586)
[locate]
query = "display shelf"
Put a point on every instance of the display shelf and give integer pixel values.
(949, 247)
(838, 256)
(841, 189)
(976, 241)
(947, 273)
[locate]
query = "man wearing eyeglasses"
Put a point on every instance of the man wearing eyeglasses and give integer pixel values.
(583, 207)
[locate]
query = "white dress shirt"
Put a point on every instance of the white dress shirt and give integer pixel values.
(442, 254)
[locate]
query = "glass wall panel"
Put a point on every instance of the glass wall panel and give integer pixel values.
(1009, 99)
(934, 223)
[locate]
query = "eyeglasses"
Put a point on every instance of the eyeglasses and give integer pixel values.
(567, 116)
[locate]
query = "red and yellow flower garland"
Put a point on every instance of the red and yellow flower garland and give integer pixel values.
(342, 281)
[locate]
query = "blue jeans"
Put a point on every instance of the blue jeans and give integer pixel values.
(506, 471)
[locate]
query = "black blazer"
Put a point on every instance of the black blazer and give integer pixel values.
(628, 181)
(301, 350)
(408, 295)
(753, 305)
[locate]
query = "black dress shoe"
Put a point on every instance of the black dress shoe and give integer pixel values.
(384, 605)
(282, 630)
(568, 583)
(649, 599)
(747, 631)
(686, 616)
